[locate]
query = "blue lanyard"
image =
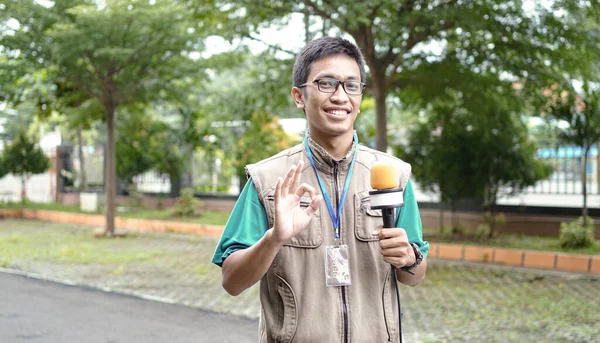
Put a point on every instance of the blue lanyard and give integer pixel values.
(335, 218)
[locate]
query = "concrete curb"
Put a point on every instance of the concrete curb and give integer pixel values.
(120, 222)
(574, 263)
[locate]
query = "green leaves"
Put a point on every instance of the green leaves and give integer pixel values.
(481, 154)
(23, 158)
(581, 113)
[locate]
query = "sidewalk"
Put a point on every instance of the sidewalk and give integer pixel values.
(458, 301)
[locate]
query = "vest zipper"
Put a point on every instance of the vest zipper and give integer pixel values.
(337, 204)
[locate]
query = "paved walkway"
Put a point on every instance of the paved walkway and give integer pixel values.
(39, 311)
(458, 302)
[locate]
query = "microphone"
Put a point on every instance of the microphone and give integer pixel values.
(387, 194)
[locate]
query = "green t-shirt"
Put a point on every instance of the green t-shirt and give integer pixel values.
(248, 223)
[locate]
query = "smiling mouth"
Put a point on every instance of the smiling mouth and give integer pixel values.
(338, 113)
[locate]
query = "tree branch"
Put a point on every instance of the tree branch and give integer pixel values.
(318, 11)
(276, 47)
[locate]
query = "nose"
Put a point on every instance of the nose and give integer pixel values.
(340, 95)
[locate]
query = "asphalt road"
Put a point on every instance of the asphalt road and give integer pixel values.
(33, 310)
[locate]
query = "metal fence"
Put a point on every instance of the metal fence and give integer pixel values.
(209, 174)
(567, 163)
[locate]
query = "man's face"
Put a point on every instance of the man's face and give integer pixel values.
(330, 115)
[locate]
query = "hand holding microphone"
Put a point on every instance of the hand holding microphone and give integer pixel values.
(387, 196)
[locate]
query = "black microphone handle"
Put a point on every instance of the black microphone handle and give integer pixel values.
(388, 218)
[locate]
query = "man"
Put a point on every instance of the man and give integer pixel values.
(310, 237)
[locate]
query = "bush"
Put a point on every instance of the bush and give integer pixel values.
(575, 235)
(483, 231)
(187, 205)
(500, 218)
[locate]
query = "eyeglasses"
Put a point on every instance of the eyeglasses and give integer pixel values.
(329, 85)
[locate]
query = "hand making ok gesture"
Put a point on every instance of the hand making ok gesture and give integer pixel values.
(290, 218)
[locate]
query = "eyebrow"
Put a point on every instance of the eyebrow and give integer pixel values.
(353, 78)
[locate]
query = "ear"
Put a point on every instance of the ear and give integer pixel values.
(298, 97)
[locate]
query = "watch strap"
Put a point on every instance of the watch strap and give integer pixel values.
(418, 259)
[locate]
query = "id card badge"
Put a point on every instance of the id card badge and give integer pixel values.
(337, 266)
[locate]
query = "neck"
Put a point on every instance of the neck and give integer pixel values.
(337, 146)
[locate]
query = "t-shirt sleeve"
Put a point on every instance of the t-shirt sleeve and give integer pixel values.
(409, 219)
(246, 225)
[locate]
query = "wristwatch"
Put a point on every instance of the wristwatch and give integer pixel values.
(418, 260)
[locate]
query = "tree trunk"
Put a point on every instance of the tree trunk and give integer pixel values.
(441, 217)
(307, 34)
(175, 186)
(379, 92)
(190, 169)
(111, 170)
(23, 188)
(453, 209)
(584, 209)
(83, 185)
(493, 195)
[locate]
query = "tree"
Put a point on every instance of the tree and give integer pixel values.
(581, 113)
(506, 160)
(251, 93)
(420, 50)
(137, 132)
(118, 52)
(465, 155)
(3, 168)
(262, 138)
(23, 158)
(443, 157)
(168, 157)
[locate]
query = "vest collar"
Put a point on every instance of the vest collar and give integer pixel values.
(323, 159)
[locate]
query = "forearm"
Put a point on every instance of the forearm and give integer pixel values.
(243, 268)
(413, 280)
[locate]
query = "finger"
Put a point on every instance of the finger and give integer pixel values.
(285, 187)
(390, 233)
(314, 205)
(277, 191)
(298, 175)
(306, 188)
(391, 243)
(395, 252)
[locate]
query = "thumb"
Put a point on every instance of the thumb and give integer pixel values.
(377, 231)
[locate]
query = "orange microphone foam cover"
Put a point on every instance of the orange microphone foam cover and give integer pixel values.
(384, 175)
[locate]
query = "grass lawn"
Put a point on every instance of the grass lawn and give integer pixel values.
(208, 217)
(68, 245)
(513, 241)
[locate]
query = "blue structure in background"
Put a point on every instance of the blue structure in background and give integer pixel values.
(565, 152)
(567, 161)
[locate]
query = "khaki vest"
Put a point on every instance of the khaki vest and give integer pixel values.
(296, 306)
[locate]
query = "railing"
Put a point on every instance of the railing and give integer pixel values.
(567, 162)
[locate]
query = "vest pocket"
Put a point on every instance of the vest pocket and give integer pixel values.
(311, 236)
(366, 219)
(283, 317)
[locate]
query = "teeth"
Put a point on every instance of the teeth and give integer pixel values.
(338, 113)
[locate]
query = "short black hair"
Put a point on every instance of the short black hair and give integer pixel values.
(321, 48)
